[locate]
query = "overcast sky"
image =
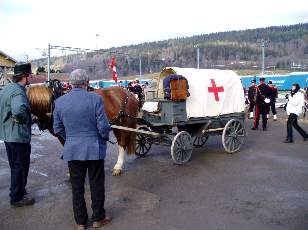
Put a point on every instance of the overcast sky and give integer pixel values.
(29, 24)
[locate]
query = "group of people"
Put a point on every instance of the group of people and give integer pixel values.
(262, 100)
(85, 129)
(257, 104)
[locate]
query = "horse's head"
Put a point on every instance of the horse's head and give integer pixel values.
(41, 103)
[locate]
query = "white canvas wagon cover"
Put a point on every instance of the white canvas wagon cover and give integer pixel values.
(212, 92)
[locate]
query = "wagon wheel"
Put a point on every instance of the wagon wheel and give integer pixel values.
(233, 136)
(143, 143)
(181, 148)
(200, 141)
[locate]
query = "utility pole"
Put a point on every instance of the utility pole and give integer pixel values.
(48, 63)
(140, 67)
(96, 41)
(149, 67)
(198, 56)
(62, 48)
(263, 55)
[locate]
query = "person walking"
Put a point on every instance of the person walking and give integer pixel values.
(252, 97)
(15, 131)
(274, 95)
(294, 109)
(263, 93)
(80, 119)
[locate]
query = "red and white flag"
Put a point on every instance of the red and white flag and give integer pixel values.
(114, 69)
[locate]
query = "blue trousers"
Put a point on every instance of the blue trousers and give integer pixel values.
(18, 155)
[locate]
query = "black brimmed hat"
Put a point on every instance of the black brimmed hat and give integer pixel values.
(270, 82)
(262, 79)
(23, 68)
(253, 81)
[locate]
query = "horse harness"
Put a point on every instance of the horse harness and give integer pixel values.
(118, 119)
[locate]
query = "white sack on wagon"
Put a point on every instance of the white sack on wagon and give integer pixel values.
(212, 92)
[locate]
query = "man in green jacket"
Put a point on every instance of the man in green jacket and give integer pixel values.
(15, 131)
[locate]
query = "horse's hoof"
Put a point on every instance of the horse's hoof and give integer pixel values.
(116, 172)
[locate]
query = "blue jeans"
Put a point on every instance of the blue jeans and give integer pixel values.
(18, 155)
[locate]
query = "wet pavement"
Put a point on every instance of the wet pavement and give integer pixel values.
(262, 187)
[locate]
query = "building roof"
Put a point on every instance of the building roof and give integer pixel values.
(7, 56)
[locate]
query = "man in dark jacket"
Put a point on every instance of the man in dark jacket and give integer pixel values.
(262, 102)
(251, 97)
(80, 119)
(273, 97)
(15, 130)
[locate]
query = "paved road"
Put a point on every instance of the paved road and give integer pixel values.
(262, 187)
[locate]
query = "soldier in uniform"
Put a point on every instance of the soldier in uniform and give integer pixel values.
(252, 97)
(15, 130)
(273, 99)
(263, 94)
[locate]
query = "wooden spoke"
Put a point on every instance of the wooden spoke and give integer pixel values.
(181, 148)
(143, 143)
(234, 136)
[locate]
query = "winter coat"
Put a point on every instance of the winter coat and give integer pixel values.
(15, 115)
(295, 103)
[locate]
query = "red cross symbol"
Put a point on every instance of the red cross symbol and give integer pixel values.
(214, 89)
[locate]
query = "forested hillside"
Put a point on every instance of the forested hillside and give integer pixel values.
(286, 47)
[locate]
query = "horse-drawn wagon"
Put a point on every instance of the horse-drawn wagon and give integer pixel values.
(189, 106)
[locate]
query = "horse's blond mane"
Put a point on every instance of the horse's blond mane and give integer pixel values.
(40, 98)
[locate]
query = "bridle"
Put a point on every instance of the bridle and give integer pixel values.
(118, 119)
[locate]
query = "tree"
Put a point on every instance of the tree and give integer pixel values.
(40, 69)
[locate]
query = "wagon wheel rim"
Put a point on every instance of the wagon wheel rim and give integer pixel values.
(234, 136)
(143, 143)
(181, 148)
(200, 141)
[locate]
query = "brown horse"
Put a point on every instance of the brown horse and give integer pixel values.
(121, 108)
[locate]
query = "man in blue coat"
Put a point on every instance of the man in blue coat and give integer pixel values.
(80, 119)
